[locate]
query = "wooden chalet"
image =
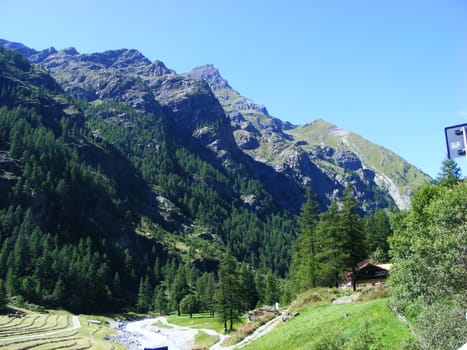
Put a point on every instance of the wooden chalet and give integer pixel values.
(367, 274)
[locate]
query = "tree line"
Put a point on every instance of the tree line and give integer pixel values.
(335, 241)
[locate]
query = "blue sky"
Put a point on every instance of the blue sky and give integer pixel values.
(393, 71)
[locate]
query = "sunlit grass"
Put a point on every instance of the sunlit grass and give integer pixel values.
(200, 321)
(204, 340)
(323, 322)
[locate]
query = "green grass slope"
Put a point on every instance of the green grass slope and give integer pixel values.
(406, 176)
(369, 325)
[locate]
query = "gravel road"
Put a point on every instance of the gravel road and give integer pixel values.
(139, 334)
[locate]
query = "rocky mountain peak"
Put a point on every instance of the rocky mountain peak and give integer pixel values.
(158, 68)
(117, 58)
(21, 48)
(68, 50)
(211, 75)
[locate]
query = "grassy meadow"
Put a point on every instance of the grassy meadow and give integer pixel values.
(358, 325)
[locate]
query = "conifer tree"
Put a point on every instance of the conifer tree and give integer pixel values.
(304, 265)
(159, 302)
(332, 255)
(144, 300)
(377, 229)
(248, 289)
(228, 298)
(206, 289)
(450, 173)
(271, 291)
(178, 289)
(352, 233)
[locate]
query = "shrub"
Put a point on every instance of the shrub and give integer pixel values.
(373, 293)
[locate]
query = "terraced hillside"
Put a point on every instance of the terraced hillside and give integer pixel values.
(52, 331)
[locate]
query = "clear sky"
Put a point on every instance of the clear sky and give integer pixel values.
(393, 71)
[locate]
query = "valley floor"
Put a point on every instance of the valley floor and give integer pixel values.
(142, 333)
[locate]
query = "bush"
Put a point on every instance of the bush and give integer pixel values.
(433, 322)
(373, 293)
(411, 344)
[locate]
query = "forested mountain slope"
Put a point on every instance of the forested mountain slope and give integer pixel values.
(130, 180)
(110, 197)
(288, 158)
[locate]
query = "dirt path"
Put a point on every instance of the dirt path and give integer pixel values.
(261, 331)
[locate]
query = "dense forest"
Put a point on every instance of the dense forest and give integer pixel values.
(95, 215)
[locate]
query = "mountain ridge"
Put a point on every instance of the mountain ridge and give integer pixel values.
(250, 118)
(290, 150)
(126, 175)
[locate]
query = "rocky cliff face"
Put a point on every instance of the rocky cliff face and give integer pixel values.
(204, 112)
(325, 159)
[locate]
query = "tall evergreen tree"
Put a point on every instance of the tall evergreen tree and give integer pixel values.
(304, 265)
(178, 289)
(159, 302)
(352, 233)
(377, 229)
(332, 254)
(228, 298)
(450, 173)
(144, 300)
(248, 290)
(271, 290)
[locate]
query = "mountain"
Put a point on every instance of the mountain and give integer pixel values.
(114, 164)
(116, 189)
(319, 154)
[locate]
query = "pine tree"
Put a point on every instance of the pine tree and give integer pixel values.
(159, 302)
(248, 289)
(271, 290)
(377, 229)
(331, 242)
(450, 173)
(144, 300)
(178, 289)
(304, 265)
(352, 233)
(228, 298)
(206, 289)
